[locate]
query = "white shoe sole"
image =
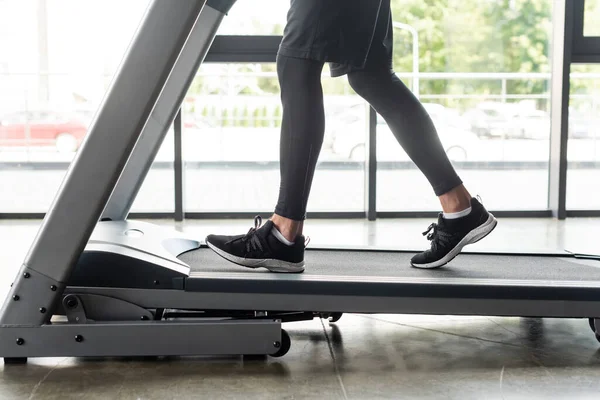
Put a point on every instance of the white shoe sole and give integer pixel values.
(472, 237)
(268, 263)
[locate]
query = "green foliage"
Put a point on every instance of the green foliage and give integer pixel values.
(277, 116)
(591, 16)
(268, 84)
(265, 117)
(475, 36)
(245, 122)
(225, 118)
(256, 118)
(428, 18)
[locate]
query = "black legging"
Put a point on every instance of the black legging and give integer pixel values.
(303, 128)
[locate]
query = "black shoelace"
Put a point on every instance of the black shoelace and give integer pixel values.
(437, 236)
(250, 239)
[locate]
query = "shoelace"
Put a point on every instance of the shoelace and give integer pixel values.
(437, 237)
(440, 237)
(251, 240)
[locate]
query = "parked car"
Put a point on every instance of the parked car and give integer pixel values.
(532, 124)
(65, 131)
(508, 121)
(350, 136)
(583, 125)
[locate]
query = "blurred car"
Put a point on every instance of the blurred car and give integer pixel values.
(447, 116)
(65, 131)
(532, 124)
(583, 125)
(489, 119)
(349, 138)
(508, 120)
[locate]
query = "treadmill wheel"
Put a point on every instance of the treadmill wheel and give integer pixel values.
(15, 360)
(335, 317)
(330, 316)
(593, 326)
(284, 345)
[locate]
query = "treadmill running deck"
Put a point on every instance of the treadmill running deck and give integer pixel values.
(365, 263)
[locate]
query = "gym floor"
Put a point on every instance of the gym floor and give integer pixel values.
(359, 357)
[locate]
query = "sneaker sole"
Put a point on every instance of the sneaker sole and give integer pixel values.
(254, 263)
(472, 237)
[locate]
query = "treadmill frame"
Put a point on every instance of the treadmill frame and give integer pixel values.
(101, 184)
(105, 176)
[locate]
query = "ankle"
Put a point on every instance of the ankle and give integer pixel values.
(456, 200)
(456, 205)
(289, 228)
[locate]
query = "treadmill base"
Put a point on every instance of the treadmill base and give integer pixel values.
(152, 338)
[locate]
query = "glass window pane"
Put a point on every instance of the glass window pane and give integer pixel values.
(488, 95)
(55, 66)
(591, 18)
(232, 117)
(157, 193)
(583, 173)
(255, 17)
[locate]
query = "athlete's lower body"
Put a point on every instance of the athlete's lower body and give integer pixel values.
(279, 244)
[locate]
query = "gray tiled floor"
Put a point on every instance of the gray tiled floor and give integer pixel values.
(360, 357)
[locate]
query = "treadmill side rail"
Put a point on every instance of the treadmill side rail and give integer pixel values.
(142, 339)
(163, 114)
(377, 303)
(222, 5)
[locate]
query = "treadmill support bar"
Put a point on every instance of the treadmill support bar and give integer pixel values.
(152, 338)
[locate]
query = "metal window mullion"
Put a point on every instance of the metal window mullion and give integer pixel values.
(584, 48)
(371, 168)
(178, 167)
(561, 66)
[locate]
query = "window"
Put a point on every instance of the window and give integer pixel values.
(591, 17)
(583, 173)
(232, 118)
(256, 17)
(50, 94)
(157, 193)
(485, 82)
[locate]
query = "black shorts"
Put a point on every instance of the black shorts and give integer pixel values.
(348, 34)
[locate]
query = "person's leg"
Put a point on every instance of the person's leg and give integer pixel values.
(413, 128)
(302, 132)
(464, 219)
(278, 245)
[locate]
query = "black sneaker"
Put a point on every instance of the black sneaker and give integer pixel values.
(449, 236)
(260, 248)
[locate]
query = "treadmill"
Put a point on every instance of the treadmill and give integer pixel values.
(95, 284)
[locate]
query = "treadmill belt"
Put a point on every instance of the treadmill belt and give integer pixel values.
(397, 265)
